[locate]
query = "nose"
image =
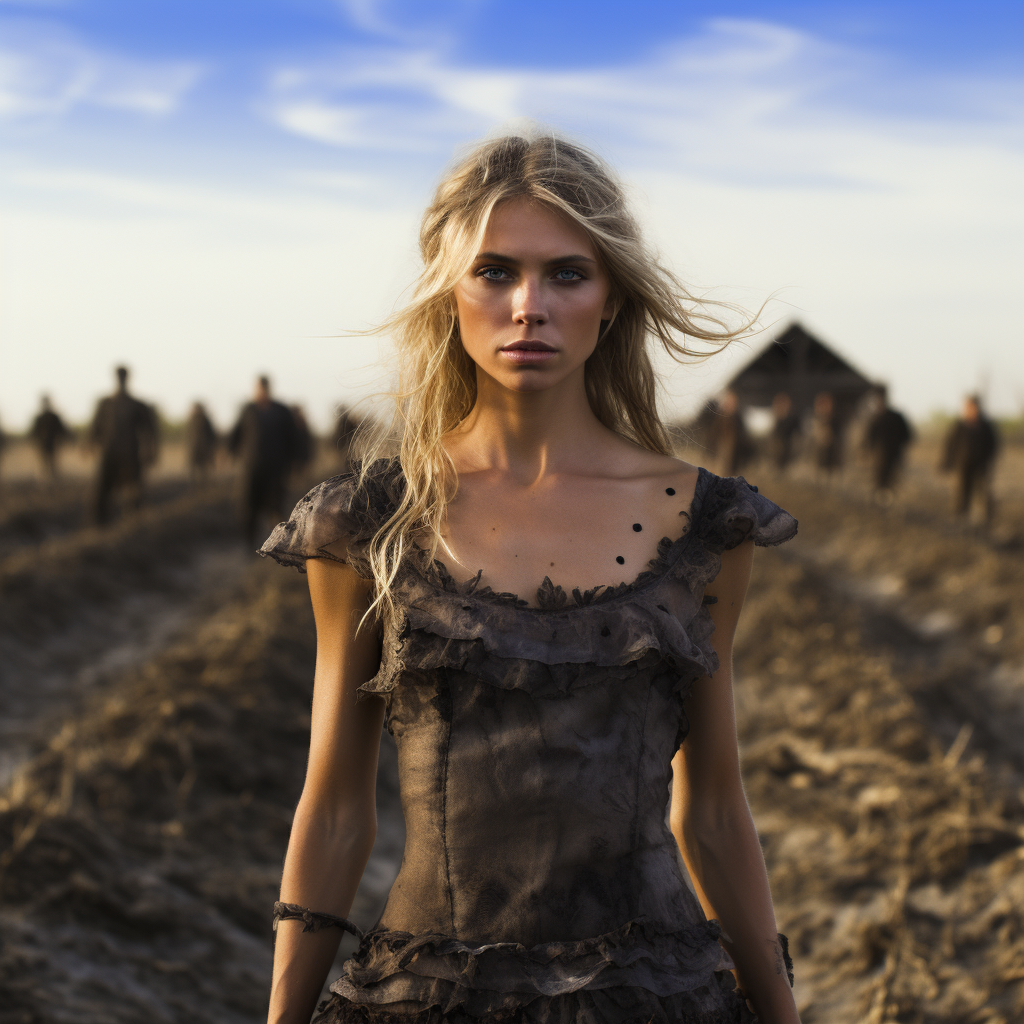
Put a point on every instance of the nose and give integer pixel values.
(529, 307)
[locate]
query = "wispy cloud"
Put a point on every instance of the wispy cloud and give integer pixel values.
(408, 23)
(763, 156)
(767, 156)
(742, 100)
(201, 202)
(45, 72)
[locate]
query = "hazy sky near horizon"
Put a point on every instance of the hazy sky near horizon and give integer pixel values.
(208, 191)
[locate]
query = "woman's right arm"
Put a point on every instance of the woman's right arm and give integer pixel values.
(335, 822)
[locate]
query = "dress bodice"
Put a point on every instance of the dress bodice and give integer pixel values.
(535, 747)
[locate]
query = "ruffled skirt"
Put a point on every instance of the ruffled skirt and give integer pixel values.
(635, 975)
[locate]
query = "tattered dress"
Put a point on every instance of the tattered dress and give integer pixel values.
(540, 883)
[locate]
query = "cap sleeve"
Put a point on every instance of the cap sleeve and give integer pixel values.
(736, 512)
(343, 509)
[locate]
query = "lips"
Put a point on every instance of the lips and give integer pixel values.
(528, 346)
(528, 352)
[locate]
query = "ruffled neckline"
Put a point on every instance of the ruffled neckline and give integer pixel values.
(553, 597)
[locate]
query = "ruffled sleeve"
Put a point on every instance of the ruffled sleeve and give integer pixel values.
(734, 511)
(340, 514)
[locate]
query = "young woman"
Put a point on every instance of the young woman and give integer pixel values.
(538, 726)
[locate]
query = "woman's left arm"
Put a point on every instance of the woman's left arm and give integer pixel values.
(711, 820)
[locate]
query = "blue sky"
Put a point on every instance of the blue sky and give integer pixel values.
(210, 190)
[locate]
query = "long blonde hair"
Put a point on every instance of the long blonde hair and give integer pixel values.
(437, 384)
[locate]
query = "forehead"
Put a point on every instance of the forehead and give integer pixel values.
(524, 227)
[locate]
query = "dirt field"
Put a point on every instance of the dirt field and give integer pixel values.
(880, 698)
(155, 692)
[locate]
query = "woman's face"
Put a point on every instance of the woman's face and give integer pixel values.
(531, 305)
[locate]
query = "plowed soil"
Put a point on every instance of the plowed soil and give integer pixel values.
(142, 826)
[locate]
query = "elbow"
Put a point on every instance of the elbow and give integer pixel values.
(714, 825)
(348, 828)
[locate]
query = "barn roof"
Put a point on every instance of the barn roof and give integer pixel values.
(801, 365)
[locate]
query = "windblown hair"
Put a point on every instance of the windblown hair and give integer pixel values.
(437, 384)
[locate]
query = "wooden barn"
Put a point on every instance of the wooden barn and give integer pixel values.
(800, 365)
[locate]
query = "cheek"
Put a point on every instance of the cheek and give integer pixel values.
(477, 306)
(586, 306)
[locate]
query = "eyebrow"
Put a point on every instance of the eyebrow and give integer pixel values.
(497, 257)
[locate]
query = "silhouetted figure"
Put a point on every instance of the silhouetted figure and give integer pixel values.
(785, 430)
(305, 443)
(265, 441)
(200, 443)
(127, 434)
(970, 452)
(49, 432)
(733, 445)
(826, 435)
(886, 439)
(344, 433)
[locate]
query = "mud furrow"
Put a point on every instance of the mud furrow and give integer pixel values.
(142, 848)
(142, 843)
(78, 609)
(895, 855)
(32, 513)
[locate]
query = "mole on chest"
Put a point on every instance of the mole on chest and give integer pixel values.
(578, 546)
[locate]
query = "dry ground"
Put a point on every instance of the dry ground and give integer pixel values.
(881, 669)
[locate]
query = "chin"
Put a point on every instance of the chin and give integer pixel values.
(527, 381)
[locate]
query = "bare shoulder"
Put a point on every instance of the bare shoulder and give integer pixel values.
(729, 587)
(338, 594)
(634, 462)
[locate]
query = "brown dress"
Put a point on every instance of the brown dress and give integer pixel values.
(540, 882)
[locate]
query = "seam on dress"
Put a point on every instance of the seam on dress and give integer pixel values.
(444, 805)
(640, 765)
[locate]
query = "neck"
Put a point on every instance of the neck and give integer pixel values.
(529, 434)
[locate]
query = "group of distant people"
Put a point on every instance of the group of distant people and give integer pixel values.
(969, 450)
(271, 442)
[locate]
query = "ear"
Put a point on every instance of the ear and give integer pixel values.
(611, 307)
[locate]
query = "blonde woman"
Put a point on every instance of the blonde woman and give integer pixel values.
(467, 593)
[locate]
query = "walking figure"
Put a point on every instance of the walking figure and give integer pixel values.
(265, 441)
(126, 432)
(49, 432)
(826, 435)
(785, 430)
(733, 444)
(970, 452)
(539, 601)
(886, 439)
(200, 443)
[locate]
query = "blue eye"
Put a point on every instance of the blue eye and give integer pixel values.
(492, 273)
(573, 275)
